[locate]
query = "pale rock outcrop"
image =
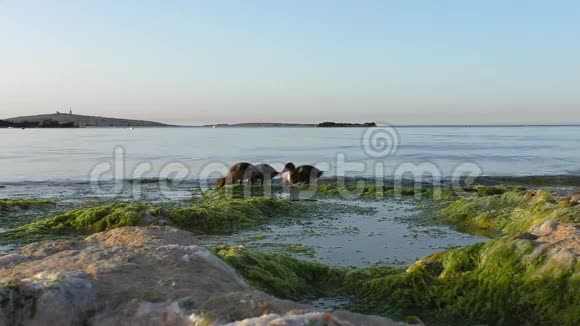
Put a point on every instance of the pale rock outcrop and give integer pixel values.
(560, 243)
(141, 276)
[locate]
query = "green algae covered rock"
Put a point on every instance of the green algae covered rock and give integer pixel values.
(221, 215)
(281, 275)
(81, 221)
(511, 280)
(508, 281)
(511, 212)
(370, 191)
(210, 216)
(492, 190)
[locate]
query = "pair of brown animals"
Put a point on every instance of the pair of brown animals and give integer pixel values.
(255, 174)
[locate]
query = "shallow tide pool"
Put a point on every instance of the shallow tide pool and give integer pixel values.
(392, 232)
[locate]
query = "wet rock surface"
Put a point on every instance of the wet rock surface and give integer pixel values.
(141, 276)
(559, 236)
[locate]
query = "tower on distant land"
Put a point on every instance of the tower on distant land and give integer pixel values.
(70, 112)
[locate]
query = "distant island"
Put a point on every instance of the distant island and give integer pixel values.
(345, 125)
(277, 124)
(261, 124)
(69, 120)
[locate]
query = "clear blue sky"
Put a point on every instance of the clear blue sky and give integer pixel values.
(425, 62)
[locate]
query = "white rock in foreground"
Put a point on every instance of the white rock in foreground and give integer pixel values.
(142, 276)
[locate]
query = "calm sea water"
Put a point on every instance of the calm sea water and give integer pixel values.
(58, 163)
(76, 154)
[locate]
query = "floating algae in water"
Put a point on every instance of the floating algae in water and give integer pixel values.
(8, 204)
(15, 212)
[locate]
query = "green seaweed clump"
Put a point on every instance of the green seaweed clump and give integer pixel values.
(281, 275)
(242, 191)
(503, 282)
(80, 221)
(217, 216)
(222, 216)
(369, 191)
(492, 190)
(510, 213)
(18, 211)
(299, 249)
(7, 204)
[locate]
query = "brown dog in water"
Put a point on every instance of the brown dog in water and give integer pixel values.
(301, 174)
(238, 173)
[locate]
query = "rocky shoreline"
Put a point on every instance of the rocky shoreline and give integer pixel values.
(130, 272)
(47, 123)
(143, 276)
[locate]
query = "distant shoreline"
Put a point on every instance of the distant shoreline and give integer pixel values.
(69, 120)
(293, 125)
(297, 126)
(309, 125)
